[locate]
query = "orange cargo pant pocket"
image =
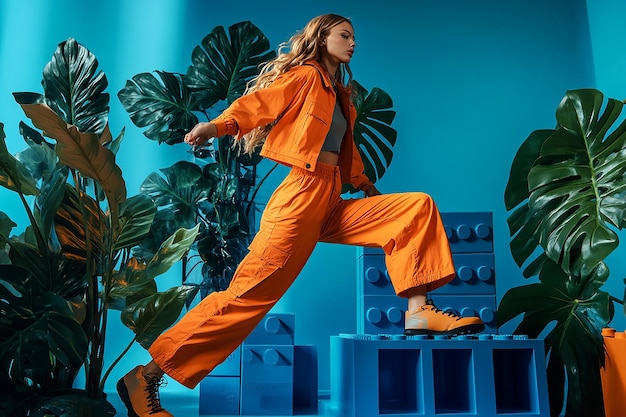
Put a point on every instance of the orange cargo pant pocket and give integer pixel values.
(263, 261)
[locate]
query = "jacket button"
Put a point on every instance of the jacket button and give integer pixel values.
(308, 166)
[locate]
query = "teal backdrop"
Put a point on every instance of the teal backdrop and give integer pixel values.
(469, 80)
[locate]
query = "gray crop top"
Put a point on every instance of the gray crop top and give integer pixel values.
(338, 128)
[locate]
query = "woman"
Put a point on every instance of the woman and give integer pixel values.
(299, 111)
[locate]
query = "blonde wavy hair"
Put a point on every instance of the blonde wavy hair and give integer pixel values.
(304, 46)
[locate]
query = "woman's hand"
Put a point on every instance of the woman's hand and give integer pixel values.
(201, 134)
(371, 190)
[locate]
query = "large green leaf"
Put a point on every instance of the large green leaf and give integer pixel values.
(127, 286)
(48, 202)
(136, 216)
(177, 193)
(74, 87)
(163, 225)
(221, 67)
(517, 187)
(6, 225)
(373, 134)
(13, 175)
(80, 216)
(221, 254)
(575, 185)
(225, 181)
(575, 311)
(50, 270)
(27, 255)
(137, 275)
(38, 330)
(81, 151)
(165, 106)
(148, 317)
(522, 222)
(172, 251)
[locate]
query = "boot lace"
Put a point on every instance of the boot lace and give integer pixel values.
(444, 312)
(153, 383)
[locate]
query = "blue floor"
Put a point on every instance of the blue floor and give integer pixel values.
(179, 404)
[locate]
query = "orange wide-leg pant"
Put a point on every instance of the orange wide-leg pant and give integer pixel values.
(306, 208)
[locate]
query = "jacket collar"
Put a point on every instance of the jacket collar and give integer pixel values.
(325, 76)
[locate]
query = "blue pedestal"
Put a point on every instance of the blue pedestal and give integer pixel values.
(376, 376)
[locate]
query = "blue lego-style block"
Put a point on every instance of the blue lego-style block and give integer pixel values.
(267, 363)
(373, 278)
(267, 374)
(305, 380)
(274, 329)
(483, 306)
(469, 232)
(267, 399)
(381, 314)
(486, 375)
(231, 365)
(475, 274)
(219, 396)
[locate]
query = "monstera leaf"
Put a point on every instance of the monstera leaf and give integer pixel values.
(38, 331)
(74, 88)
(177, 191)
(165, 106)
(373, 134)
(221, 67)
(574, 346)
(573, 197)
(566, 191)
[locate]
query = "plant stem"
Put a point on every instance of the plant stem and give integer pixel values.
(93, 312)
(41, 242)
(108, 371)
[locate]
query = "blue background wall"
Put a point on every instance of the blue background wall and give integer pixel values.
(469, 80)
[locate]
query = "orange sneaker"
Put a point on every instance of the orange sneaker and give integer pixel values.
(141, 394)
(429, 320)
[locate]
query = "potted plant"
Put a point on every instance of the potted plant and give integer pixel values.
(218, 190)
(565, 194)
(74, 263)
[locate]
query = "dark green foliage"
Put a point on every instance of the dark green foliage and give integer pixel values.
(72, 264)
(565, 192)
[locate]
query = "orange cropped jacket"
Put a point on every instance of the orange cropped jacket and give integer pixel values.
(301, 101)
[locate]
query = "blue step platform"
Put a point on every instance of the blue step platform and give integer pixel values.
(394, 375)
(266, 375)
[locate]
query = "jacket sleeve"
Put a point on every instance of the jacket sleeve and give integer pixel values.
(360, 181)
(260, 107)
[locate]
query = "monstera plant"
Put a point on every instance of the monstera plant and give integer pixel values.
(566, 193)
(73, 263)
(218, 190)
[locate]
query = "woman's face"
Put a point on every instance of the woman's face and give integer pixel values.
(338, 47)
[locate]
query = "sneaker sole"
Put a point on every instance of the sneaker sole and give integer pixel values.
(123, 393)
(469, 329)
